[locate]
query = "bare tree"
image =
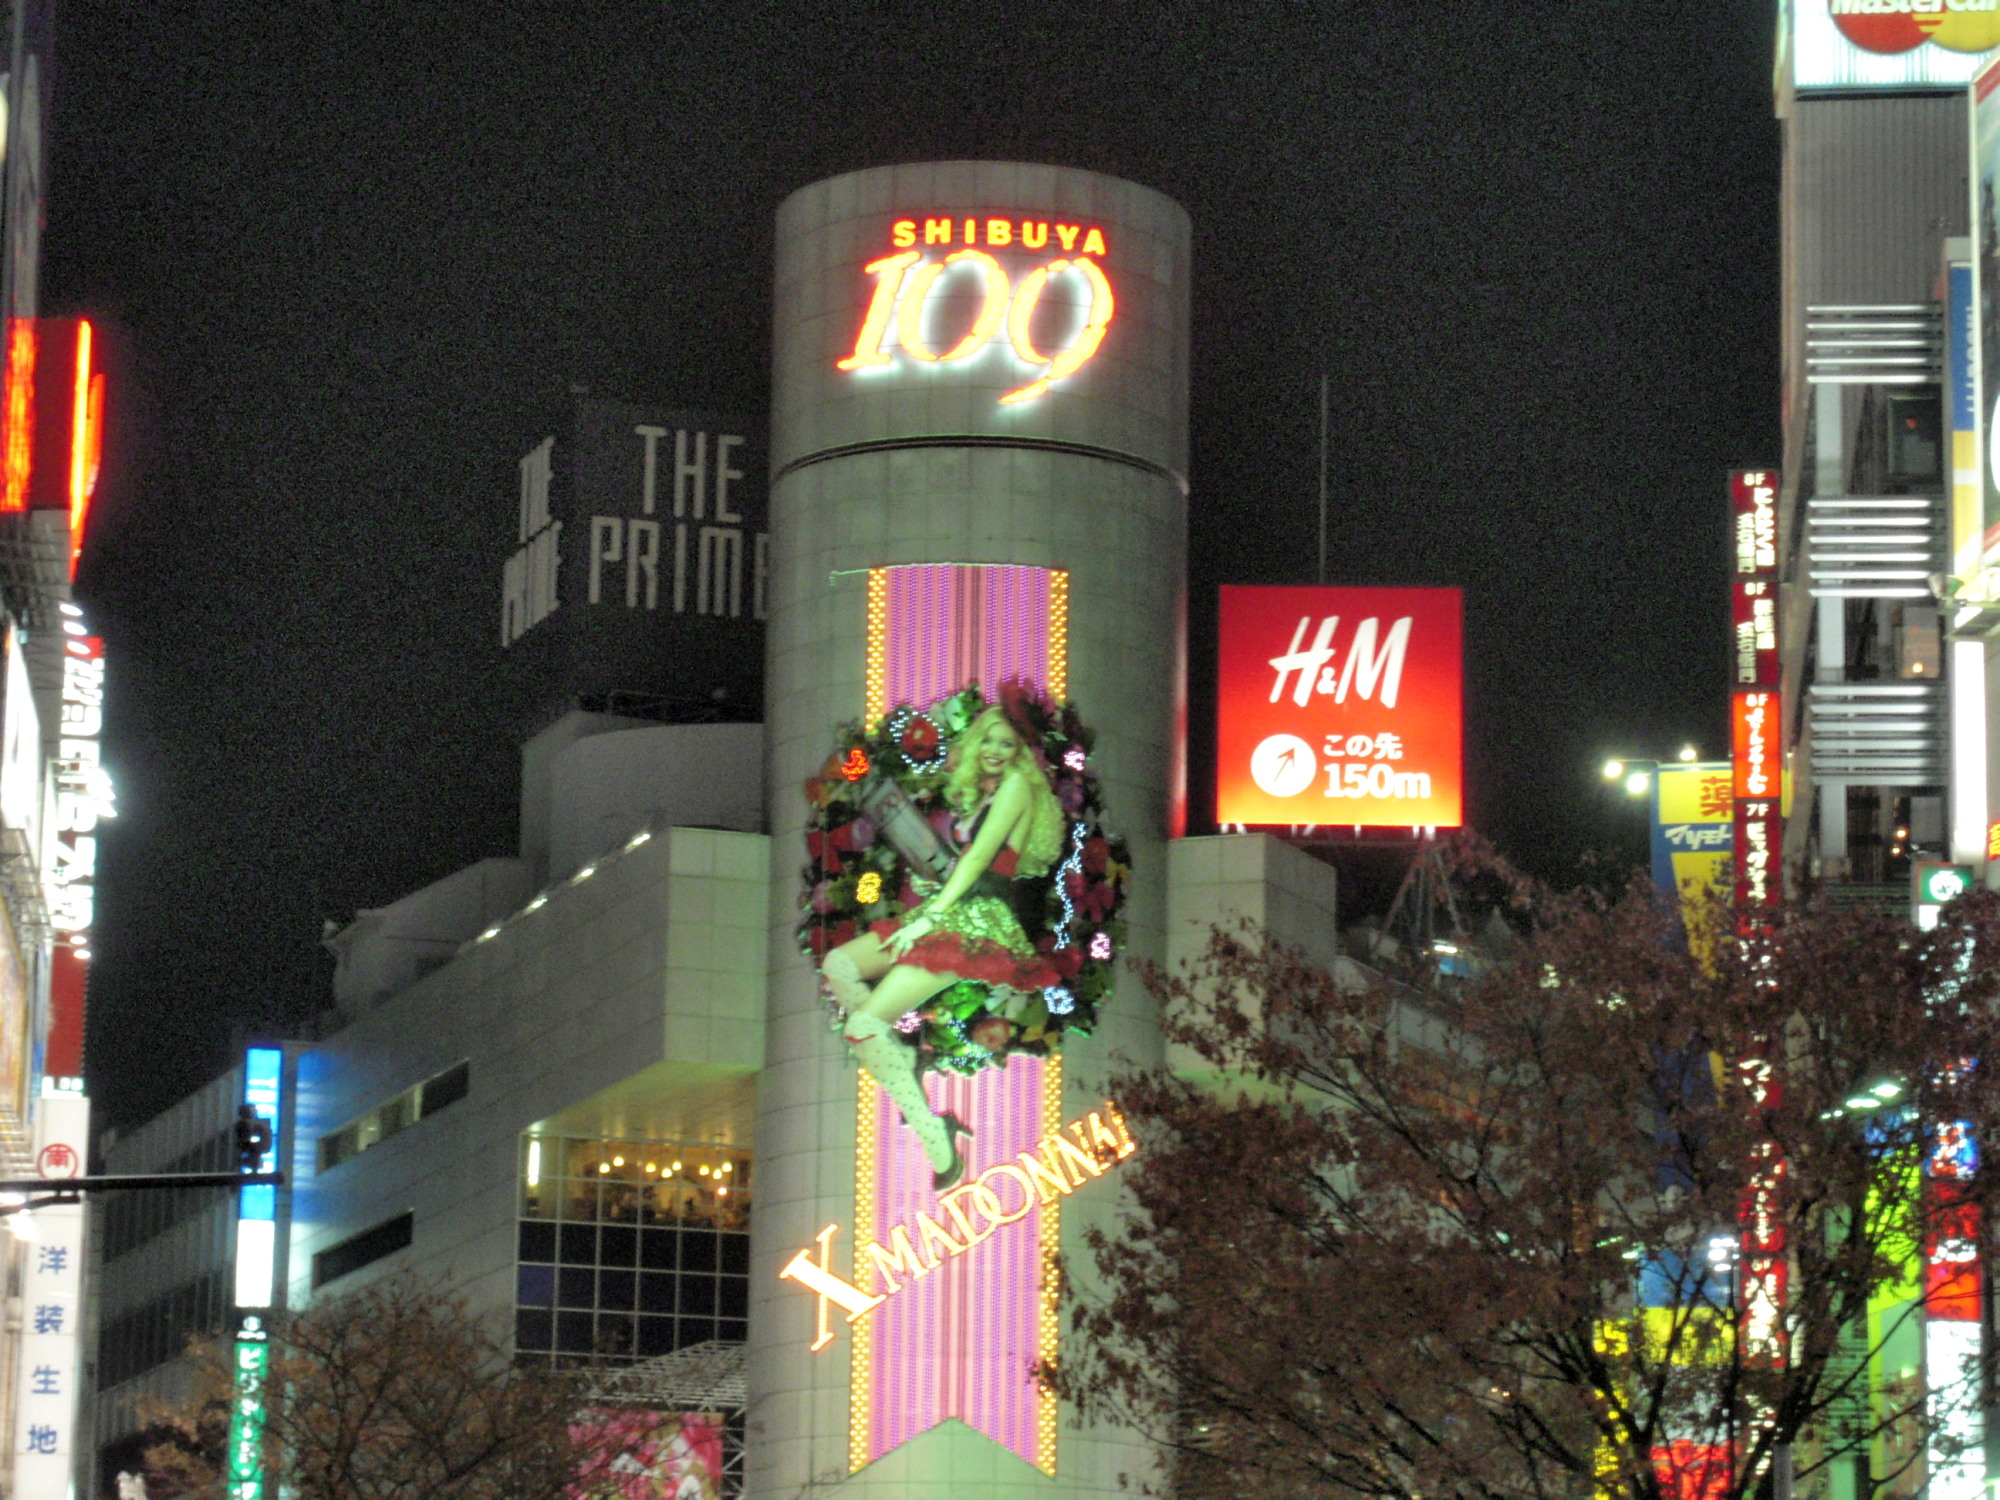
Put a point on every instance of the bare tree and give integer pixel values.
(1604, 1219)
(393, 1392)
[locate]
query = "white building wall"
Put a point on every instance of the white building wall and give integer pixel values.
(199, 1245)
(654, 957)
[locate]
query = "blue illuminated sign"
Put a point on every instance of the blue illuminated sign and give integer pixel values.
(263, 1072)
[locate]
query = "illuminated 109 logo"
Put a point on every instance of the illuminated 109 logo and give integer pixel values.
(914, 298)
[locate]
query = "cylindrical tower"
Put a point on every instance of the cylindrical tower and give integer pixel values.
(979, 448)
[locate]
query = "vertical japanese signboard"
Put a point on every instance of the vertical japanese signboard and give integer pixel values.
(1986, 294)
(1756, 724)
(45, 1410)
(250, 1365)
(1961, 397)
(257, 1211)
(83, 799)
(1693, 830)
(1340, 706)
(1755, 727)
(1753, 507)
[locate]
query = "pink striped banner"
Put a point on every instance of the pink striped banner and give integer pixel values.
(964, 1340)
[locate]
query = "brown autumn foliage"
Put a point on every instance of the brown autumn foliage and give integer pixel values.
(393, 1392)
(1415, 1236)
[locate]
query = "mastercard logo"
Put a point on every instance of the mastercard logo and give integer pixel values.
(1892, 26)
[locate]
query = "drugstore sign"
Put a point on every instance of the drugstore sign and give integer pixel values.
(955, 286)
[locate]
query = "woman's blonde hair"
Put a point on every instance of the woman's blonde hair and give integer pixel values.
(1043, 844)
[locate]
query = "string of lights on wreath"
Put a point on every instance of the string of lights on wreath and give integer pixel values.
(855, 878)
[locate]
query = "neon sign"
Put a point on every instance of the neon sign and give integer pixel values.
(908, 284)
(1001, 1195)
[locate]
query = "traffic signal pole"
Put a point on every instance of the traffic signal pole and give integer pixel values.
(70, 1190)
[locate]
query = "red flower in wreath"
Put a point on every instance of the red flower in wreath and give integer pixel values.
(920, 739)
(993, 1033)
(823, 850)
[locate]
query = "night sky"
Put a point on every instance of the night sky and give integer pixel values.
(359, 255)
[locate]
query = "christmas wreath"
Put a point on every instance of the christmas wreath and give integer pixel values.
(856, 875)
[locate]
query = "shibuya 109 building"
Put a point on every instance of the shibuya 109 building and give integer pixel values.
(771, 1077)
(978, 503)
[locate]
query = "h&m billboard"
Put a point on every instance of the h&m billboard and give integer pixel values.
(1340, 706)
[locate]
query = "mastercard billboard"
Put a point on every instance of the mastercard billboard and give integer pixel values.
(1341, 706)
(1892, 26)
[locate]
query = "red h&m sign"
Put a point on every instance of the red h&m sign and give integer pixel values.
(1340, 706)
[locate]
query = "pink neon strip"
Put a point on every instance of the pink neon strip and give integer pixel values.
(962, 1341)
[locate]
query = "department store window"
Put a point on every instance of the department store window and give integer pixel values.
(149, 1336)
(135, 1219)
(631, 1249)
(363, 1249)
(418, 1102)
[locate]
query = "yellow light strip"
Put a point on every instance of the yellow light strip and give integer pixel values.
(877, 703)
(1058, 634)
(1049, 1330)
(861, 1334)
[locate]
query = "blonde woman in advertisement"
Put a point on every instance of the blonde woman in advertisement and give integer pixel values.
(1008, 829)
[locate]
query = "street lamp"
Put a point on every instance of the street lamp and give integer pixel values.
(1636, 776)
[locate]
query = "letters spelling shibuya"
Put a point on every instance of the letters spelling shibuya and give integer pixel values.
(894, 330)
(1060, 1163)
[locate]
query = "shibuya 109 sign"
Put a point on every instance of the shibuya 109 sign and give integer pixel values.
(1340, 706)
(955, 286)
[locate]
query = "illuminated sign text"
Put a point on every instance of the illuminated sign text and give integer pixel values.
(913, 293)
(1753, 504)
(83, 794)
(1339, 706)
(1004, 1194)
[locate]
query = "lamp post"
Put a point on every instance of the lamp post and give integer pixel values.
(1639, 777)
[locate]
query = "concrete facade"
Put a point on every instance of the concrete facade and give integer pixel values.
(923, 464)
(636, 968)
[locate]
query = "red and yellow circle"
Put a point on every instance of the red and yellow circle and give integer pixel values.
(1954, 29)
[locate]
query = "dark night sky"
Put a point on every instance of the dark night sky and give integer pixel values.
(357, 252)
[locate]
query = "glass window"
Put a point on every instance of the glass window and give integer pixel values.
(615, 1290)
(656, 1292)
(698, 1250)
(660, 1250)
(538, 1242)
(532, 1329)
(537, 1286)
(579, 1244)
(656, 1336)
(574, 1334)
(617, 1245)
(638, 1247)
(733, 1297)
